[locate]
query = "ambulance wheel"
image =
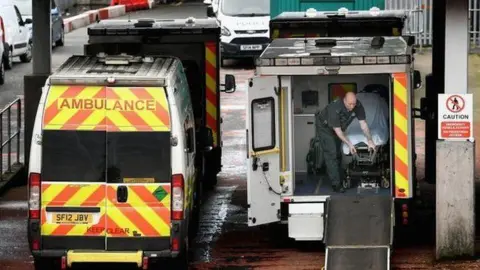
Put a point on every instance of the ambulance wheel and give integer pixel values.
(198, 196)
(44, 263)
(2, 72)
(210, 180)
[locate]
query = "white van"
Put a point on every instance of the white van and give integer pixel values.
(17, 36)
(245, 26)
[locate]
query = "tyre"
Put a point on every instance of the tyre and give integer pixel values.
(2, 73)
(61, 41)
(182, 261)
(27, 57)
(45, 264)
(8, 59)
(210, 180)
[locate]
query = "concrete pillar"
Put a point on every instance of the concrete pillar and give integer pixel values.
(42, 37)
(455, 222)
(455, 191)
(42, 66)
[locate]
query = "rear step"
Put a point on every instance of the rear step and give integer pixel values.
(359, 232)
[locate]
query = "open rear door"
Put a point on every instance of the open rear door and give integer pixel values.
(263, 158)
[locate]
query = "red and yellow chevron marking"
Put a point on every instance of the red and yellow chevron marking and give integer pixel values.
(106, 108)
(211, 88)
(338, 90)
(401, 136)
(78, 195)
(144, 214)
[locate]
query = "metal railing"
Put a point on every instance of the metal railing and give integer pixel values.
(425, 38)
(7, 143)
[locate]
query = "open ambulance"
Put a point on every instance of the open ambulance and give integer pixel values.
(295, 79)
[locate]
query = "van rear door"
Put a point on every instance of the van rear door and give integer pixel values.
(138, 169)
(73, 197)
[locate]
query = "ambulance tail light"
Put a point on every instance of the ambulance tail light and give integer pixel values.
(178, 196)
(34, 196)
(2, 27)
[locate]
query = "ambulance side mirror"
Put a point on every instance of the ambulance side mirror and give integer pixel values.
(417, 79)
(210, 12)
(230, 85)
(206, 136)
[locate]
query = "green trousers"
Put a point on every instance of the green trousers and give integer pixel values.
(331, 145)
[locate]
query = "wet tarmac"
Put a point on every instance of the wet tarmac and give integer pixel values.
(224, 241)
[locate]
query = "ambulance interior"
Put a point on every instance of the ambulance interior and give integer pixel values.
(311, 94)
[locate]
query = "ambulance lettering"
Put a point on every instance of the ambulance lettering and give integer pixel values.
(109, 105)
(111, 231)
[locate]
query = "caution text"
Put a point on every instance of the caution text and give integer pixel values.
(106, 104)
(456, 116)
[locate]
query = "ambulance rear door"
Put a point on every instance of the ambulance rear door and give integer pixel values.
(263, 158)
(73, 195)
(138, 168)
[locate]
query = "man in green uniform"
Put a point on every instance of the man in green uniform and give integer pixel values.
(331, 125)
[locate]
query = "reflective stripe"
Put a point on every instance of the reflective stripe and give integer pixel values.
(401, 136)
(143, 214)
(211, 88)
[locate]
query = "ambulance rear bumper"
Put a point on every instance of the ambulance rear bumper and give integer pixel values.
(60, 253)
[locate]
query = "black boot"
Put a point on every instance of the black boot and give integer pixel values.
(338, 188)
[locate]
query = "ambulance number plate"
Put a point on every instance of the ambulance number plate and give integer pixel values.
(72, 218)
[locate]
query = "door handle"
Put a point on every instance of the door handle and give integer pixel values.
(122, 194)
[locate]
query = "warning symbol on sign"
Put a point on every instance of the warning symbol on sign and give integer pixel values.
(456, 117)
(455, 104)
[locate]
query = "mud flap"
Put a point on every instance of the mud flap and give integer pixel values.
(359, 232)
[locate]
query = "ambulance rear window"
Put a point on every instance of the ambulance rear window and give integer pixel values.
(138, 157)
(85, 156)
(77, 156)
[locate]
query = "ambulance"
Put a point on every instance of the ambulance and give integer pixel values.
(112, 173)
(295, 79)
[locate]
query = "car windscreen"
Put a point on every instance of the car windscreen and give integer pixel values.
(77, 156)
(246, 8)
(138, 157)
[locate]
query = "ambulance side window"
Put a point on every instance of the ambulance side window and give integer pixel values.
(187, 106)
(263, 124)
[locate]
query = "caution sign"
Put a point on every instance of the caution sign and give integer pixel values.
(455, 116)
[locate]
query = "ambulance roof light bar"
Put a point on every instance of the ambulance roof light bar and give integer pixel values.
(341, 12)
(322, 60)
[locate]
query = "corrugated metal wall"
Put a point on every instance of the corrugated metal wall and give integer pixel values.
(278, 6)
(425, 23)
